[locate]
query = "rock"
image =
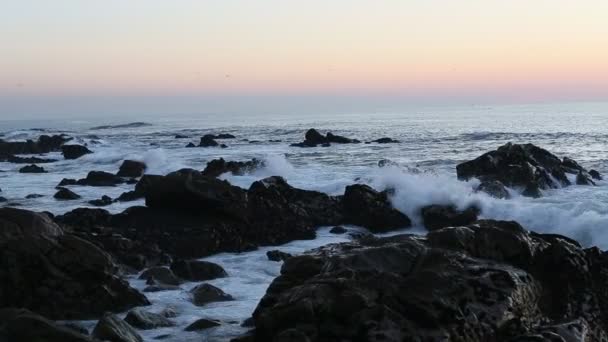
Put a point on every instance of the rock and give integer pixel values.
(219, 166)
(277, 255)
(111, 328)
(3, 199)
(74, 151)
(595, 174)
(314, 138)
(161, 287)
(32, 169)
(493, 188)
(338, 230)
(44, 144)
(490, 281)
(59, 275)
(387, 163)
(104, 201)
(141, 319)
(364, 206)
(202, 324)
(206, 293)
(100, 178)
(66, 194)
(197, 270)
(25, 160)
(340, 139)
(23, 325)
(181, 136)
(441, 216)
(131, 168)
(208, 141)
(532, 190)
(190, 145)
(32, 196)
(582, 179)
(222, 136)
(163, 275)
(524, 166)
(385, 141)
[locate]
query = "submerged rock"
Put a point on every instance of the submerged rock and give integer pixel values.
(95, 178)
(595, 174)
(202, 324)
(490, 281)
(74, 151)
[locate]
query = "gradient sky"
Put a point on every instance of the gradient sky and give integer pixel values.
(516, 50)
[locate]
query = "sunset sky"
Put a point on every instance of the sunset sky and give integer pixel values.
(517, 50)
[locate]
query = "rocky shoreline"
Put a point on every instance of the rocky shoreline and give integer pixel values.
(466, 280)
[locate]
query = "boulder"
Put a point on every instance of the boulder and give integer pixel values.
(189, 145)
(276, 255)
(489, 281)
(338, 230)
(202, 324)
(33, 196)
(111, 328)
(385, 141)
(131, 168)
(74, 151)
(58, 275)
(102, 202)
(206, 293)
(219, 166)
(332, 138)
(493, 188)
(197, 270)
(144, 320)
(366, 207)
(441, 216)
(44, 144)
(163, 275)
(181, 136)
(66, 194)
(314, 138)
(595, 174)
(24, 325)
(208, 140)
(100, 178)
(32, 169)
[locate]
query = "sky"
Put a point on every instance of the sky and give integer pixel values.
(136, 55)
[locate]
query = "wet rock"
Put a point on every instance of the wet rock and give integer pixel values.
(74, 151)
(25, 160)
(595, 174)
(131, 168)
(44, 144)
(441, 216)
(222, 136)
(111, 328)
(141, 319)
(386, 141)
(100, 178)
(206, 293)
(386, 163)
(490, 281)
(181, 136)
(532, 190)
(23, 325)
(314, 138)
(190, 145)
(66, 194)
(3, 199)
(338, 230)
(197, 270)
(332, 138)
(202, 324)
(208, 140)
(32, 169)
(364, 206)
(276, 255)
(163, 275)
(493, 188)
(102, 202)
(219, 166)
(59, 275)
(582, 179)
(524, 166)
(32, 196)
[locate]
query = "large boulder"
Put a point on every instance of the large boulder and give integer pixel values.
(32, 169)
(524, 166)
(440, 216)
(208, 140)
(141, 319)
(206, 293)
(74, 151)
(197, 270)
(490, 281)
(219, 166)
(111, 328)
(23, 325)
(364, 206)
(65, 194)
(55, 274)
(131, 168)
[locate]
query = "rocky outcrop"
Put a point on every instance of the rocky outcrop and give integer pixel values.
(197, 270)
(206, 293)
(25, 160)
(44, 144)
(56, 274)
(369, 208)
(386, 141)
(132, 169)
(219, 166)
(74, 151)
(32, 169)
(208, 140)
(314, 138)
(441, 216)
(24, 325)
(140, 188)
(490, 281)
(95, 178)
(525, 166)
(111, 328)
(141, 319)
(65, 194)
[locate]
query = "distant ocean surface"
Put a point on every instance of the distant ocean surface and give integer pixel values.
(432, 142)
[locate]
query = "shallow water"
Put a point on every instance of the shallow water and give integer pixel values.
(432, 142)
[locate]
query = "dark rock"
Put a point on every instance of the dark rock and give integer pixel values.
(3, 199)
(32, 169)
(74, 151)
(223, 146)
(338, 230)
(490, 281)
(181, 136)
(386, 163)
(222, 136)
(66, 194)
(532, 190)
(32, 196)
(131, 168)
(25, 160)
(20, 325)
(524, 166)
(163, 275)
(441, 216)
(595, 174)
(206, 293)
(44, 144)
(76, 327)
(196, 270)
(102, 202)
(494, 188)
(190, 145)
(127, 125)
(208, 141)
(385, 141)
(141, 319)
(59, 275)
(67, 181)
(100, 178)
(219, 166)
(114, 329)
(331, 138)
(314, 138)
(582, 179)
(202, 324)
(277, 255)
(364, 206)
